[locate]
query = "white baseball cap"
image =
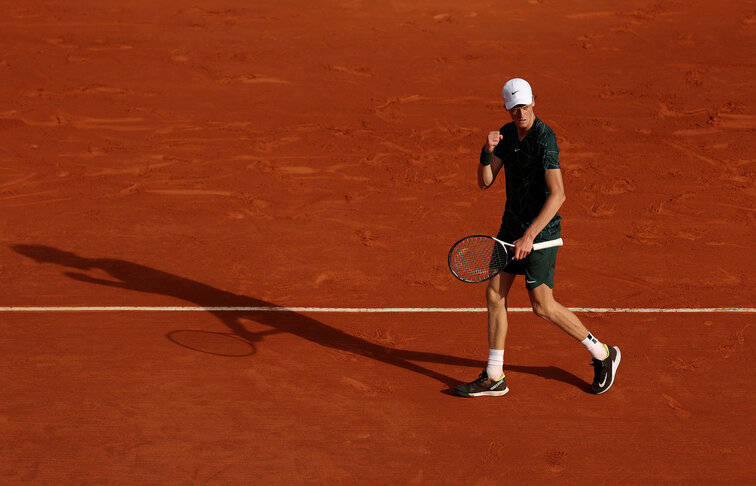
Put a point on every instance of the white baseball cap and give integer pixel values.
(516, 92)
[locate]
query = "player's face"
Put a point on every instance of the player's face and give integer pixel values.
(523, 115)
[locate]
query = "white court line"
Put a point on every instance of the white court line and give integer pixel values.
(683, 310)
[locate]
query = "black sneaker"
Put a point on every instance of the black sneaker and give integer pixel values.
(605, 370)
(483, 387)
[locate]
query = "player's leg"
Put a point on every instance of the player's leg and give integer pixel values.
(496, 301)
(498, 322)
(545, 307)
(605, 360)
(539, 280)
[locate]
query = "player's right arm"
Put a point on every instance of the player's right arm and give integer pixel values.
(487, 173)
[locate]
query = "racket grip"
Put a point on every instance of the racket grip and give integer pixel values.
(548, 244)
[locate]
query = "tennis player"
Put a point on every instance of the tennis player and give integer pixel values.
(527, 150)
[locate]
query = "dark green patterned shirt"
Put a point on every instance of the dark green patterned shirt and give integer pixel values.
(525, 166)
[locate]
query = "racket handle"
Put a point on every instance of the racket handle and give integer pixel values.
(548, 244)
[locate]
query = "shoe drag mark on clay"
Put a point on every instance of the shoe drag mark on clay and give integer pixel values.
(676, 406)
(556, 461)
(734, 342)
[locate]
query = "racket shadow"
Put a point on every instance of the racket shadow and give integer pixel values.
(216, 343)
(140, 278)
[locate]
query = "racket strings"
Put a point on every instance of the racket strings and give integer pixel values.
(476, 259)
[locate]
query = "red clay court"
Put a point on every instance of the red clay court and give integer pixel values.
(162, 162)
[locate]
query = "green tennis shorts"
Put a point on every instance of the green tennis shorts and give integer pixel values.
(538, 267)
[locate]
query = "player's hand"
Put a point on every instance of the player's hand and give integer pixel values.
(493, 140)
(523, 247)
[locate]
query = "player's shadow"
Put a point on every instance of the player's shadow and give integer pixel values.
(132, 276)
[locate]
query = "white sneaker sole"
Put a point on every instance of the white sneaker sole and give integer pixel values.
(490, 393)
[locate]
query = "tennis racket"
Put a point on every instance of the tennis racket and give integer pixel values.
(478, 258)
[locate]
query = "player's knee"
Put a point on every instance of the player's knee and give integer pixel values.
(543, 310)
(494, 299)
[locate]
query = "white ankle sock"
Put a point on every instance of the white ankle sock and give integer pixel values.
(495, 366)
(595, 347)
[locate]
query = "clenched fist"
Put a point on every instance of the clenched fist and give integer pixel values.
(493, 140)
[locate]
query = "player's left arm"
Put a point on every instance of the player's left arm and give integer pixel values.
(524, 245)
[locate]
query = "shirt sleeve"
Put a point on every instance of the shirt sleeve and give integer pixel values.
(551, 153)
